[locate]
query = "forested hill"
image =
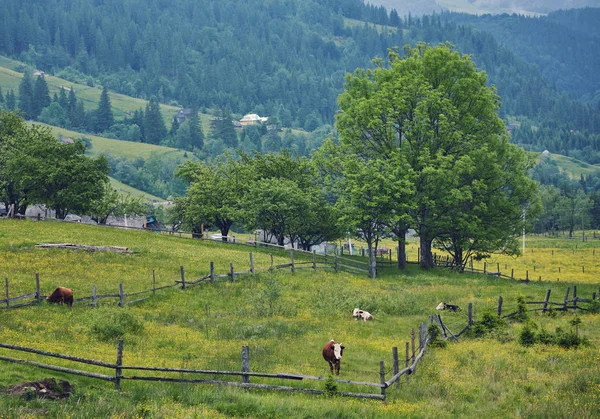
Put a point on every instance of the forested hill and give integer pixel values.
(280, 58)
(564, 45)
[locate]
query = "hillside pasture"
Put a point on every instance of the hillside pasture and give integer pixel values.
(285, 319)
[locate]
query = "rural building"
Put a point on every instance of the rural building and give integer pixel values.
(252, 119)
(183, 115)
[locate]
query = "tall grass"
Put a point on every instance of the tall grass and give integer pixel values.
(285, 319)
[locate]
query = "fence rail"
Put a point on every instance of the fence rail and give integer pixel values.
(316, 262)
(245, 372)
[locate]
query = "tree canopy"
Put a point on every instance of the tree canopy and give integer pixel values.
(433, 111)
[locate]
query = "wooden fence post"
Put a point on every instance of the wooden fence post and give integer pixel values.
(271, 255)
(512, 273)
(314, 254)
(499, 306)
(593, 295)
(94, 299)
(406, 360)
(484, 267)
(231, 272)
(212, 272)
(412, 343)
(182, 277)
(245, 364)
(251, 264)
(574, 294)
(153, 282)
(470, 314)
(292, 260)
(118, 370)
(382, 377)
(335, 263)
(440, 323)
(396, 364)
(566, 298)
(121, 296)
(527, 276)
(38, 294)
(6, 292)
(545, 308)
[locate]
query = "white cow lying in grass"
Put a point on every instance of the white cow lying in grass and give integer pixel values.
(361, 314)
(449, 307)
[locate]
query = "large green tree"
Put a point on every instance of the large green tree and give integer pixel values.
(433, 110)
(35, 168)
(214, 196)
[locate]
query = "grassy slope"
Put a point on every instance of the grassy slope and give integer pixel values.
(126, 189)
(121, 104)
(116, 148)
(205, 327)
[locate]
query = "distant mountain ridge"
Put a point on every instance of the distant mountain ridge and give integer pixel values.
(479, 7)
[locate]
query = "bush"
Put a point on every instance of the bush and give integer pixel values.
(527, 336)
(330, 386)
(522, 314)
(434, 336)
(489, 323)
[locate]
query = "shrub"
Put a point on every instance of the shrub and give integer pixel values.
(489, 323)
(434, 336)
(330, 386)
(527, 336)
(522, 314)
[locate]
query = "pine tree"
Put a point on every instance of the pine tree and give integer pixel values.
(11, 100)
(72, 100)
(77, 116)
(26, 96)
(196, 134)
(138, 119)
(174, 127)
(63, 101)
(104, 115)
(224, 129)
(154, 124)
(41, 96)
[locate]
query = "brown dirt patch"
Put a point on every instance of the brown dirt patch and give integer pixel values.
(48, 388)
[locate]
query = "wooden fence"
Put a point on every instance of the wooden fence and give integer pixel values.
(119, 370)
(546, 306)
(316, 261)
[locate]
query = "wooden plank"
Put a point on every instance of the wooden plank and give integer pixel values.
(252, 385)
(55, 355)
(138, 300)
(61, 369)
(22, 297)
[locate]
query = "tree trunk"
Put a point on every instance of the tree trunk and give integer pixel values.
(372, 260)
(402, 249)
(425, 249)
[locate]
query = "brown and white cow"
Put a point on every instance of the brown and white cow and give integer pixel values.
(361, 314)
(332, 353)
(61, 295)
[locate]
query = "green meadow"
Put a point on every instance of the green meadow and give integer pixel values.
(285, 319)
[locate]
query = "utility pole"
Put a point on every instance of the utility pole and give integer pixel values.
(523, 231)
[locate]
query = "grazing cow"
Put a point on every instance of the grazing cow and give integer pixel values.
(361, 314)
(449, 307)
(61, 295)
(332, 353)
